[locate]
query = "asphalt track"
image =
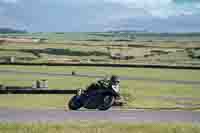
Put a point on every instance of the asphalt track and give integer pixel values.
(185, 82)
(129, 116)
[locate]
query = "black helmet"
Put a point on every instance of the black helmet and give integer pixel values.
(114, 79)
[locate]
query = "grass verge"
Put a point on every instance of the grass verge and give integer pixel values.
(162, 74)
(102, 127)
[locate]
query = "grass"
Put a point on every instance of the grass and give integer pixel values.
(63, 46)
(100, 127)
(98, 52)
(134, 91)
(46, 52)
(53, 82)
(168, 74)
(34, 101)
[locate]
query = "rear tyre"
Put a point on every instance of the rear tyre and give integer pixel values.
(107, 102)
(75, 103)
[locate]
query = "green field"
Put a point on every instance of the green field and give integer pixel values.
(136, 92)
(143, 48)
(102, 127)
(103, 48)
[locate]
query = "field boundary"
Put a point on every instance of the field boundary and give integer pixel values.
(107, 65)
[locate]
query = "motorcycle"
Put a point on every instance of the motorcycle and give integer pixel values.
(101, 99)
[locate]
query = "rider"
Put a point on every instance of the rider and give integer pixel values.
(104, 84)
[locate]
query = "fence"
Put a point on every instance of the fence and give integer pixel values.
(30, 90)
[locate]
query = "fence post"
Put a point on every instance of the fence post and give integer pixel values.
(2, 87)
(38, 85)
(12, 59)
(44, 84)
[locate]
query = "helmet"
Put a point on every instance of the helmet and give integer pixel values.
(114, 79)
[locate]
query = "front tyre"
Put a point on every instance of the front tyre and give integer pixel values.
(75, 103)
(107, 102)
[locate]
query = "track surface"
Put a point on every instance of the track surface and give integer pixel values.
(101, 76)
(137, 116)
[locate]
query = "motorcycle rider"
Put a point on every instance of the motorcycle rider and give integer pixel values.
(111, 96)
(105, 83)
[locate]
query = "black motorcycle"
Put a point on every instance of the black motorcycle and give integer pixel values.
(101, 99)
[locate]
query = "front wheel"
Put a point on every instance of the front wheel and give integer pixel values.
(107, 102)
(74, 103)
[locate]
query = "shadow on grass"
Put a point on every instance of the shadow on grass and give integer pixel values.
(7, 58)
(54, 51)
(71, 52)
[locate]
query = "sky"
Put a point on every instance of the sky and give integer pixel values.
(101, 15)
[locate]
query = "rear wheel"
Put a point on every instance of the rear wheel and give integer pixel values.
(75, 103)
(108, 101)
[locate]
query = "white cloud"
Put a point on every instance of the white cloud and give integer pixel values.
(93, 14)
(143, 3)
(198, 5)
(159, 8)
(9, 1)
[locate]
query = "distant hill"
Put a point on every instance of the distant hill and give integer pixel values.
(129, 31)
(10, 30)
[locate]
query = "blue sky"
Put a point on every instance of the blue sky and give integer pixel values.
(101, 15)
